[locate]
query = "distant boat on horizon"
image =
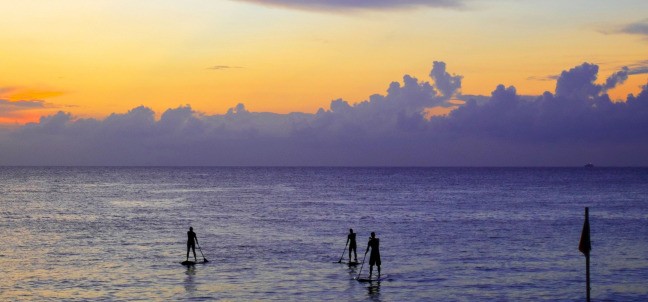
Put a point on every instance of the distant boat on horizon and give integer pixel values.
(589, 165)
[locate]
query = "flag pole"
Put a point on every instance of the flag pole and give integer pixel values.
(585, 246)
(587, 258)
(587, 273)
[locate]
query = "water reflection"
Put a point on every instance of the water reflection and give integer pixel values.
(374, 291)
(189, 284)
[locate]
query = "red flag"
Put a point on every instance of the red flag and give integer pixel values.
(585, 246)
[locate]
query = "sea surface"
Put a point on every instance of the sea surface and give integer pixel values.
(276, 234)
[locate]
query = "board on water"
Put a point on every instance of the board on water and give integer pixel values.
(192, 262)
(349, 263)
(374, 278)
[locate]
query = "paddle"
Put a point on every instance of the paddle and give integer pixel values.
(363, 260)
(344, 250)
(203, 255)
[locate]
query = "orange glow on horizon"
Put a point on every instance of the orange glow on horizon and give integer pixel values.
(29, 93)
(21, 118)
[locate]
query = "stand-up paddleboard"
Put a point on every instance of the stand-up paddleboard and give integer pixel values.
(373, 278)
(192, 262)
(349, 263)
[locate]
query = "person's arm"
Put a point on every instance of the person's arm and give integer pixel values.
(368, 245)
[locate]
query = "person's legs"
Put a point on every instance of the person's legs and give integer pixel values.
(355, 253)
(193, 246)
(370, 269)
(188, 247)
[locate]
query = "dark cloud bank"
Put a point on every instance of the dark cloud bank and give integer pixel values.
(576, 124)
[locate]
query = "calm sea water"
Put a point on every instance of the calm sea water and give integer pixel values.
(447, 234)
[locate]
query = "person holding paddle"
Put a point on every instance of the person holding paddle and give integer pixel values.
(191, 243)
(374, 257)
(351, 240)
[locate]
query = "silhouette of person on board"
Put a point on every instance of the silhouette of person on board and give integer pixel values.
(191, 243)
(351, 240)
(374, 257)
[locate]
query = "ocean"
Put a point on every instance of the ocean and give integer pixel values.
(276, 234)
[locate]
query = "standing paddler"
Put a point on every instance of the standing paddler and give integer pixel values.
(374, 257)
(191, 243)
(351, 240)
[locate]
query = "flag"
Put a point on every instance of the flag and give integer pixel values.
(585, 246)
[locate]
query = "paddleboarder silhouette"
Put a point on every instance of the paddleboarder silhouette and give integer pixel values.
(351, 240)
(191, 243)
(374, 257)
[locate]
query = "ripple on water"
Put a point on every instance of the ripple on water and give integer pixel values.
(273, 234)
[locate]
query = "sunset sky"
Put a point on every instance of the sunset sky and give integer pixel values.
(337, 82)
(94, 58)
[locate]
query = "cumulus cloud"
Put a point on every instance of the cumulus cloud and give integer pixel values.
(612, 81)
(341, 5)
(578, 82)
(576, 124)
(449, 85)
(554, 119)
